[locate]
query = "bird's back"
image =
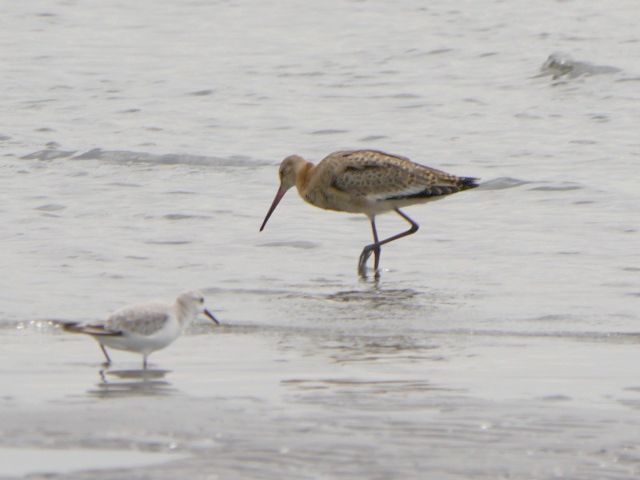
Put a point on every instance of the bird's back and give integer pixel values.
(383, 181)
(143, 319)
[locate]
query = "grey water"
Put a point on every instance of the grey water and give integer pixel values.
(139, 148)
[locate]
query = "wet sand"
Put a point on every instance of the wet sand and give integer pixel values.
(248, 403)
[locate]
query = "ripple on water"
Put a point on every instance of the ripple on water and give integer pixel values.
(201, 93)
(124, 184)
(501, 183)
(49, 154)
(50, 207)
(301, 244)
(372, 138)
(34, 461)
(168, 242)
(558, 187)
(328, 131)
(390, 295)
(184, 216)
(372, 387)
(129, 157)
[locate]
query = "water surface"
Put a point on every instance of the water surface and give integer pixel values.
(139, 156)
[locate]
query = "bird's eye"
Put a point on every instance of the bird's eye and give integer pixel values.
(201, 300)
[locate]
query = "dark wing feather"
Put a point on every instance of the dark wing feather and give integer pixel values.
(95, 329)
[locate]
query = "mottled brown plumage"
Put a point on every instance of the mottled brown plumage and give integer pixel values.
(369, 182)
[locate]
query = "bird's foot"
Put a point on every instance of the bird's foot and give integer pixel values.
(364, 257)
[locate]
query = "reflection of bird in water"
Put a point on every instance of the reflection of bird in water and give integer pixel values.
(129, 383)
(144, 328)
(369, 182)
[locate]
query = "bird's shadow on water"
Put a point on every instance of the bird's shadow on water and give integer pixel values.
(132, 383)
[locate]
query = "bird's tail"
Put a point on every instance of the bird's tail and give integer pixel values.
(468, 182)
(66, 325)
(79, 327)
(74, 327)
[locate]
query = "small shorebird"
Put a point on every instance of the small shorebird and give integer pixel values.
(144, 328)
(369, 182)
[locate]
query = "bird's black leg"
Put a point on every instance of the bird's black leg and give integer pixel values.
(144, 361)
(375, 247)
(413, 229)
(106, 355)
(368, 250)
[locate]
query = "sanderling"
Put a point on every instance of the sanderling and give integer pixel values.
(144, 328)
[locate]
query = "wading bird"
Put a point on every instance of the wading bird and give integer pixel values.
(144, 328)
(369, 182)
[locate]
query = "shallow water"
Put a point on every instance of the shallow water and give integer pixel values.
(139, 156)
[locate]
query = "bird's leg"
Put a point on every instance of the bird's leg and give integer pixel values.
(413, 229)
(144, 361)
(106, 355)
(368, 250)
(375, 247)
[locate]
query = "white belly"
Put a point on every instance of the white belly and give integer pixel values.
(134, 342)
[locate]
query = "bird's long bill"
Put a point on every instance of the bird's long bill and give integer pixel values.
(276, 201)
(210, 315)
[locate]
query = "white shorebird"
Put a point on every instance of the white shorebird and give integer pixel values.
(146, 327)
(369, 182)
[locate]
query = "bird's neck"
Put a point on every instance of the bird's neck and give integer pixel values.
(303, 175)
(185, 315)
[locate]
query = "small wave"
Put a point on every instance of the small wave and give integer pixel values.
(558, 187)
(127, 157)
(392, 295)
(562, 65)
(328, 131)
(49, 154)
(501, 183)
(167, 242)
(201, 93)
(50, 207)
(294, 244)
(439, 51)
(183, 216)
(125, 184)
(373, 138)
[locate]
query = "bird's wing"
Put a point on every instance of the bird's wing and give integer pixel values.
(381, 176)
(144, 319)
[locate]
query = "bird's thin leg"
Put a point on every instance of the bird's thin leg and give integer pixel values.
(144, 361)
(106, 355)
(375, 247)
(413, 229)
(369, 249)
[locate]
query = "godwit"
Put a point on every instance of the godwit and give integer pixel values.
(146, 327)
(369, 182)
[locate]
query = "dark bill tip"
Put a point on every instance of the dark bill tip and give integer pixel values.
(210, 315)
(279, 194)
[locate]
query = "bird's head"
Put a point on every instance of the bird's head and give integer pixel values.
(193, 302)
(288, 173)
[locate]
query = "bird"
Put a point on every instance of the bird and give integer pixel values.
(144, 328)
(369, 182)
